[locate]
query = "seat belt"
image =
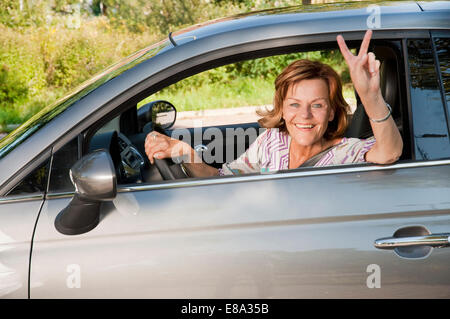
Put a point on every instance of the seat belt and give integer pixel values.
(316, 158)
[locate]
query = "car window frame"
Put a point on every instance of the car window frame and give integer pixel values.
(433, 35)
(45, 155)
(222, 56)
(413, 130)
(301, 171)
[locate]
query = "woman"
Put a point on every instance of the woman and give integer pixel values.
(307, 123)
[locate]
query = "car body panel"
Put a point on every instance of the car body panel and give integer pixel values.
(433, 5)
(275, 237)
(17, 220)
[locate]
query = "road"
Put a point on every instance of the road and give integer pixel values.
(204, 118)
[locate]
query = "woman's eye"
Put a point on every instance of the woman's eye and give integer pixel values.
(316, 106)
(294, 104)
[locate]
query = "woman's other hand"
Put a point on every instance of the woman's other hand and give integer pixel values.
(364, 69)
(365, 73)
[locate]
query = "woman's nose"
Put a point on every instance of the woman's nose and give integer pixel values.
(304, 112)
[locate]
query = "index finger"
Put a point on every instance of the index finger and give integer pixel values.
(343, 47)
(365, 43)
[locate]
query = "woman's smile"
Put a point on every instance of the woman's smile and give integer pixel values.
(304, 126)
(306, 111)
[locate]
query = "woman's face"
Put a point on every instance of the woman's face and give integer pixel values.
(307, 111)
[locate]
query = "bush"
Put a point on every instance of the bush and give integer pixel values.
(245, 83)
(49, 47)
(264, 68)
(39, 65)
(73, 56)
(12, 89)
(32, 13)
(21, 74)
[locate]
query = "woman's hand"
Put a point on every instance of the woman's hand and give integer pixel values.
(160, 146)
(364, 69)
(365, 74)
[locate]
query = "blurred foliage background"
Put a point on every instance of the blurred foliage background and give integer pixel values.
(49, 47)
(246, 83)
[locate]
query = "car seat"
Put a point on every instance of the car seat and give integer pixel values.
(360, 125)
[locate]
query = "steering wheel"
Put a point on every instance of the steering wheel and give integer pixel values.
(163, 168)
(169, 169)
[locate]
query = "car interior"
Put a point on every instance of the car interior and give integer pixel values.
(124, 135)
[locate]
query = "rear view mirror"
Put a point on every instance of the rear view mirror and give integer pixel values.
(160, 114)
(95, 181)
(163, 114)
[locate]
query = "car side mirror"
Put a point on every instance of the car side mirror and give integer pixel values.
(161, 115)
(95, 181)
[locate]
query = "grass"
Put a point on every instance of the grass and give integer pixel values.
(246, 83)
(236, 93)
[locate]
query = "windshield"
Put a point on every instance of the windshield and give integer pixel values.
(36, 122)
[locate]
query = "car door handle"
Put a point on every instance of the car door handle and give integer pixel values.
(433, 240)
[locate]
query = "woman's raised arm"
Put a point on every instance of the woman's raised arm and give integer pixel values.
(365, 74)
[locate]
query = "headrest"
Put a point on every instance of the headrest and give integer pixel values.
(388, 81)
(360, 125)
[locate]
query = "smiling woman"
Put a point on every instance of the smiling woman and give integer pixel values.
(305, 127)
(307, 123)
(309, 106)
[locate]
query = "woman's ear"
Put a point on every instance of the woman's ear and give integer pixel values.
(282, 114)
(331, 115)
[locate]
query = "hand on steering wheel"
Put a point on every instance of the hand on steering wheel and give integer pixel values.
(161, 148)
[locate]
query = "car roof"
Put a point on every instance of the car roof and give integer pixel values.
(339, 17)
(35, 136)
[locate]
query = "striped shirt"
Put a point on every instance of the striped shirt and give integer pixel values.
(270, 153)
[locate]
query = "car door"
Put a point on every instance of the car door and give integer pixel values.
(19, 211)
(306, 233)
(303, 234)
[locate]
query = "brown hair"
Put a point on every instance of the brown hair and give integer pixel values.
(302, 70)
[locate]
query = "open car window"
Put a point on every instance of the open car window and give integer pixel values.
(231, 94)
(216, 110)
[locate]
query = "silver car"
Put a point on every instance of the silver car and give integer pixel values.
(83, 214)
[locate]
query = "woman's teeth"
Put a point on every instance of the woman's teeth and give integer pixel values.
(304, 126)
